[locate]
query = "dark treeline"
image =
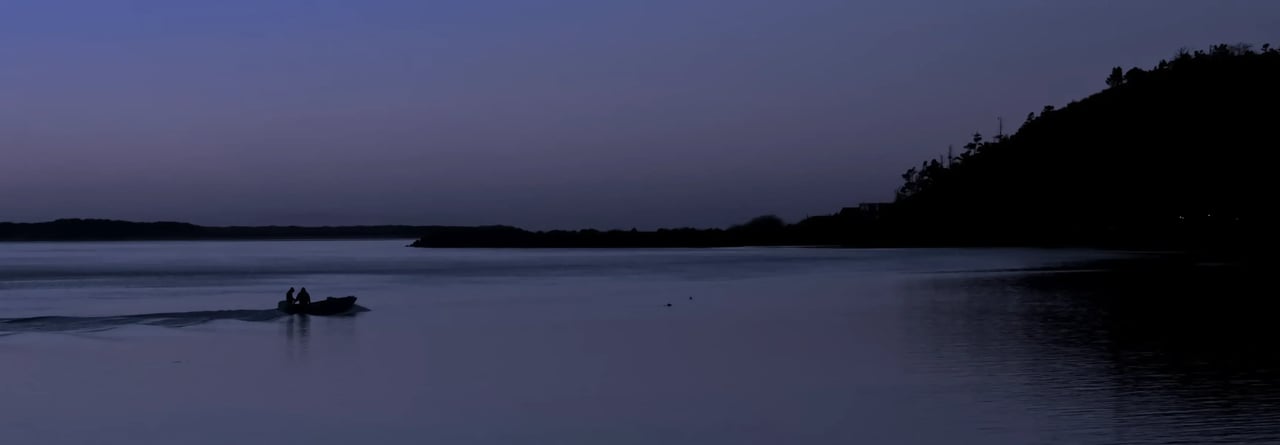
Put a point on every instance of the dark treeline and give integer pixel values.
(112, 230)
(1179, 155)
(1175, 156)
(764, 230)
(858, 226)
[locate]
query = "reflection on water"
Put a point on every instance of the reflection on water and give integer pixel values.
(297, 335)
(1121, 352)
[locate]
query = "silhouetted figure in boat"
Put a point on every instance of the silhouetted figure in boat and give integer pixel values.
(288, 297)
(304, 298)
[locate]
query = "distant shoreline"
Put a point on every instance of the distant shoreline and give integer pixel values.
(161, 240)
(116, 230)
(847, 230)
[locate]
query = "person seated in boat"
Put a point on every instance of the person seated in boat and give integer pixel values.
(288, 297)
(304, 298)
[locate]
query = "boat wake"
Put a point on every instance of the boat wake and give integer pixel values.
(167, 319)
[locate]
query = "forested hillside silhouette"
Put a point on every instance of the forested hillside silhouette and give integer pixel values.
(1180, 154)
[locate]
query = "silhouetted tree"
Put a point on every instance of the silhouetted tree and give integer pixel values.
(1116, 78)
(1134, 74)
(762, 225)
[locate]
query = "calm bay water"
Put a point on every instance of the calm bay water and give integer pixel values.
(784, 345)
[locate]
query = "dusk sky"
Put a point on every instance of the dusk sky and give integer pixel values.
(541, 114)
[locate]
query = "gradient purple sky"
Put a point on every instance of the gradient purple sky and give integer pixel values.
(551, 113)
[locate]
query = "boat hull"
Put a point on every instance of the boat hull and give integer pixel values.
(327, 306)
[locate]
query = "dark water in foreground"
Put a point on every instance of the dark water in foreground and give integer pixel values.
(175, 343)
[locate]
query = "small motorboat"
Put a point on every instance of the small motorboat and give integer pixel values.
(327, 306)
